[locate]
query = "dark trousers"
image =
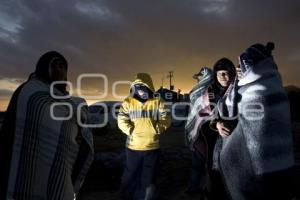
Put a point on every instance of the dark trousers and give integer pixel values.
(198, 170)
(139, 174)
(219, 191)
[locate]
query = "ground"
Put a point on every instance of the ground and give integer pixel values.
(104, 178)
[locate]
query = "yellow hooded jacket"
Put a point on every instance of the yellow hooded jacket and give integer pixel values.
(143, 122)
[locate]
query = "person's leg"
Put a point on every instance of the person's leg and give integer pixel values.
(198, 171)
(131, 174)
(219, 191)
(149, 174)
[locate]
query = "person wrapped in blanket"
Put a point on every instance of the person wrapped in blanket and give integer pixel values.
(142, 117)
(44, 153)
(256, 158)
(200, 137)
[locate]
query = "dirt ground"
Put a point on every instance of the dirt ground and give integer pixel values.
(103, 181)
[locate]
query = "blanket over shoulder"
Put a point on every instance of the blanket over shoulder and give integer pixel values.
(46, 160)
(256, 158)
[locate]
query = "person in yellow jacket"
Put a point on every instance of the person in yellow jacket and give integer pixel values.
(142, 117)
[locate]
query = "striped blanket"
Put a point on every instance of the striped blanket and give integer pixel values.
(49, 158)
(200, 111)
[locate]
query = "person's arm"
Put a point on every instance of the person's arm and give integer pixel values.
(164, 119)
(124, 122)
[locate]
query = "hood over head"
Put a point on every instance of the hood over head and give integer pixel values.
(224, 64)
(142, 81)
(255, 54)
(44, 63)
(145, 79)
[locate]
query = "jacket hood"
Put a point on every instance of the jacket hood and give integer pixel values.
(224, 64)
(145, 79)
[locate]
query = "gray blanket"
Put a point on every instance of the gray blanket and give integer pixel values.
(256, 159)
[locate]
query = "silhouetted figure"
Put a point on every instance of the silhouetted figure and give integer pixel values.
(42, 157)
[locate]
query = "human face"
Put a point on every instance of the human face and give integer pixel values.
(223, 77)
(142, 94)
(142, 91)
(239, 72)
(58, 70)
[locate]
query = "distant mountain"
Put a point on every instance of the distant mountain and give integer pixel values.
(293, 93)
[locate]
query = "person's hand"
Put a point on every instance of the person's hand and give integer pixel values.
(223, 130)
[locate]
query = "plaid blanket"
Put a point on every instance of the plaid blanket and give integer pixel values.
(200, 111)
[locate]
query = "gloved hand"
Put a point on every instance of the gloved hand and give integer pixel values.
(254, 54)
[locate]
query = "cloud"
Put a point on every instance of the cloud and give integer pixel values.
(10, 84)
(9, 24)
(120, 38)
(215, 6)
(9, 29)
(4, 93)
(93, 10)
(7, 87)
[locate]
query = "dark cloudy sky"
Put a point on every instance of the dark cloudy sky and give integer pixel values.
(122, 37)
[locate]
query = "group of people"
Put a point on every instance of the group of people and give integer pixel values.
(238, 129)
